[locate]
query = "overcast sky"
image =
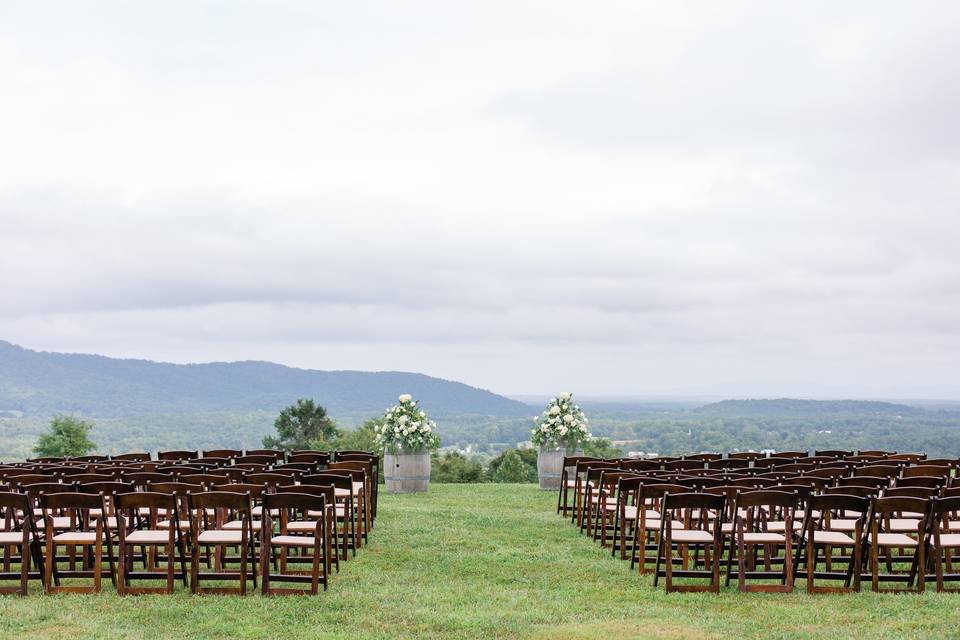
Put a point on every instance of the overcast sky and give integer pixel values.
(615, 198)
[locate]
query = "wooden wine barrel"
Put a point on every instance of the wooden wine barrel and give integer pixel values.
(550, 466)
(406, 472)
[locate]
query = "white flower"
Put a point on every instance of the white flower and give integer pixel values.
(568, 418)
(423, 415)
(566, 395)
(402, 419)
(554, 410)
(405, 398)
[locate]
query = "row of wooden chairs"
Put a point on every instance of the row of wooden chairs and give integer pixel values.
(183, 463)
(746, 521)
(889, 466)
(71, 520)
(181, 517)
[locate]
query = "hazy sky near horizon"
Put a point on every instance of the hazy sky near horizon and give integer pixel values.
(615, 198)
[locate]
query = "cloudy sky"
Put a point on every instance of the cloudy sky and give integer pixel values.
(617, 198)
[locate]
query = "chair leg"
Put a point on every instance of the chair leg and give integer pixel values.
(97, 566)
(48, 565)
(265, 553)
(24, 567)
(122, 572)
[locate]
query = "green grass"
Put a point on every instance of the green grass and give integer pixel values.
(469, 561)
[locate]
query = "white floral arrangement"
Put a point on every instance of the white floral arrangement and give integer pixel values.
(405, 426)
(562, 423)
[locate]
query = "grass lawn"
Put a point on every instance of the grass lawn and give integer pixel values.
(468, 561)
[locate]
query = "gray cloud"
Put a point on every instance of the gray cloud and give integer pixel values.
(749, 199)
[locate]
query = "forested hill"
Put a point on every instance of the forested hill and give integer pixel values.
(794, 408)
(40, 383)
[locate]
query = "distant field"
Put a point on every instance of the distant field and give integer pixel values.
(483, 561)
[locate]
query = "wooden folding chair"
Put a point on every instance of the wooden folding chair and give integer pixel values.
(374, 459)
(297, 532)
(346, 508)
(755, 511)
(943, 541)
(227, 506)
(176, 456)
(136, 529)
(818, 535)
(77, 535)
(649, 514)
(889, 530)
(19, 534)
(699, 531)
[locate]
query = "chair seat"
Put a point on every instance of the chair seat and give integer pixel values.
(302, 525)
(16, 537)
(850, 514)
(843, 524)
(165, 524)
(293, 541)
(219, 536)
(653, 524)
(780, 525)
(148, 536)
(111, 522)
(341, 510)
(237, 525)
(800, 514)
(691, 535)
(145, 511)
(61, 522)
(895, 540)
(903, 524)
(358, 487)
(630, 512)
(76, 537)
(764, 537)
(258, 511)
(946, 539)
(832, 537)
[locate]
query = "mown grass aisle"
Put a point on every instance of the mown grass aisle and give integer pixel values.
(467, 561)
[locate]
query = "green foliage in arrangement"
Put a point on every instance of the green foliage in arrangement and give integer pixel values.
(482, 561)
(68, 437)
(304, 425)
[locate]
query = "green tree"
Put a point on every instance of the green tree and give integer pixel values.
(511, 467)
(363, 437)
(304, 425)
(67, 437)
(455, 467)
(601, 448)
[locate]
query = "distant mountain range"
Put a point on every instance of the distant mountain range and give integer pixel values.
(42, 383)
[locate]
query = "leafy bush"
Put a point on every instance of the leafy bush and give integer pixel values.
(455, 467)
